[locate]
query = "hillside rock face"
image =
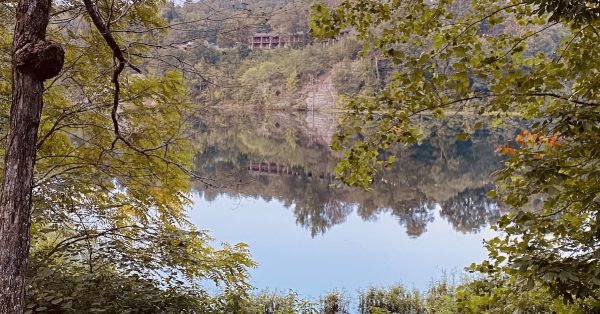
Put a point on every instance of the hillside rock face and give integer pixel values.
(320, 101)
(320, 94)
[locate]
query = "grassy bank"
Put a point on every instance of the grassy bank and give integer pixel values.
(471, 296)
(477, 296)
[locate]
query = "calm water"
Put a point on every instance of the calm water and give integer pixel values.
(427, 214)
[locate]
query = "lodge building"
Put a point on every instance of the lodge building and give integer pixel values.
(274, 41)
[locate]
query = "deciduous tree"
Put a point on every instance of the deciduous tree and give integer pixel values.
(107, 196)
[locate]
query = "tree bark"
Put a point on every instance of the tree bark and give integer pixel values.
(33, 60)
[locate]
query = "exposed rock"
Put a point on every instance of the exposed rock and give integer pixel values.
(321, 94)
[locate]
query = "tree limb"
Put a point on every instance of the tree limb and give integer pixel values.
(121, 62)
(108, 37)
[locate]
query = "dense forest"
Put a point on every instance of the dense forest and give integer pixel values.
(113, 114)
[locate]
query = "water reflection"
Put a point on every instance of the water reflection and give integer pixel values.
(287, 157)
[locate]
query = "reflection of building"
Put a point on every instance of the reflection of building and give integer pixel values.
(274, 41)
(271, 168)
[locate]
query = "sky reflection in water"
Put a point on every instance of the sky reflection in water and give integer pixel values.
(349, 256)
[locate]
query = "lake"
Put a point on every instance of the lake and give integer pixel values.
(426, 215)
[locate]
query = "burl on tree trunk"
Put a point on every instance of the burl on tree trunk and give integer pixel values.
(34, 60)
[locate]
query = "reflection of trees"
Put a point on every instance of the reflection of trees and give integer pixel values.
(416, 218)
(441, 170)
(414, 214)
(470, 210)
(321, 209)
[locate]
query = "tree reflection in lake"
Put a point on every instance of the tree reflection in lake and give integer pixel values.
(287, 157)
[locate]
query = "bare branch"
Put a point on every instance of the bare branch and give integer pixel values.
(108, 37)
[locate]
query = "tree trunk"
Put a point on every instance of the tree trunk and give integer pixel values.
(34, 60)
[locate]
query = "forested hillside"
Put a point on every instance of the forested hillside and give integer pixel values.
(233, 74)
